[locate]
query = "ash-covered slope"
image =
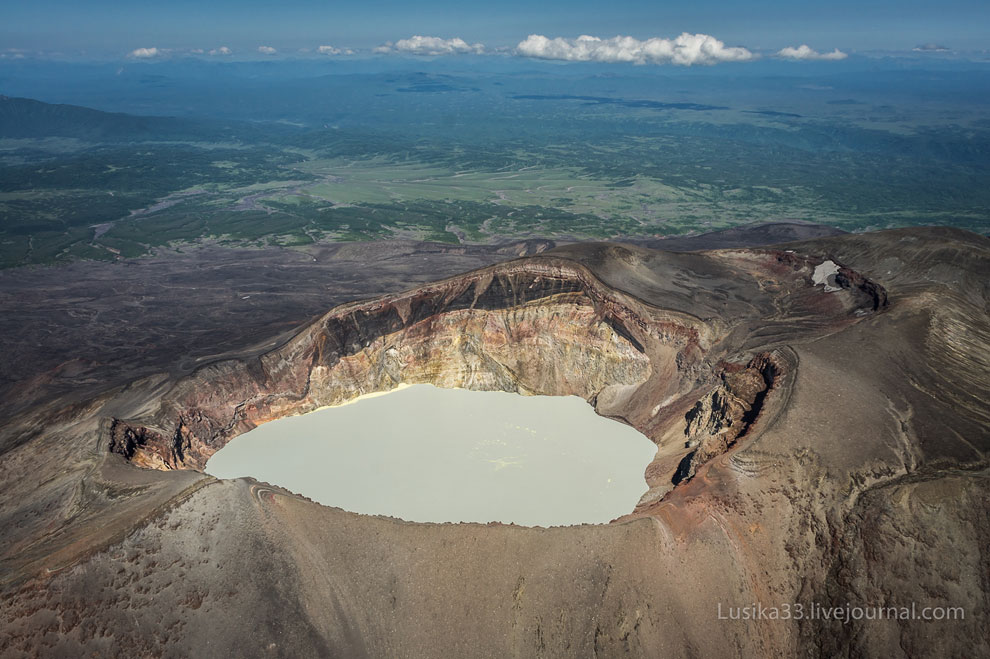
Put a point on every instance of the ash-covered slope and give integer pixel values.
(818, 408)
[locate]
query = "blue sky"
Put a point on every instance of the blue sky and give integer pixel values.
(108, 28)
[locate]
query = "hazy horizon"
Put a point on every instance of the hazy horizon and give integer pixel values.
(109, 30)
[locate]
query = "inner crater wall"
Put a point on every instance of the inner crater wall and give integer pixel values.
(546, 331)
(555, 346)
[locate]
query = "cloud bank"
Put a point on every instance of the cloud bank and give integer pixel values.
(685, 50)
(145, 53)
(803, 52)
(266, 50)
(331, 50)
(222, 50)
(931, 48)
(418, 45)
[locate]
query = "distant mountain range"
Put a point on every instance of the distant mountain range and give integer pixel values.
(28, 118)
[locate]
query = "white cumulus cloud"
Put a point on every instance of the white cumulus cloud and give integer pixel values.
(805, 52)
(222, 50)
(685, 50)
(418, 45)
(266, 50)
(332, 50)
(146, 53)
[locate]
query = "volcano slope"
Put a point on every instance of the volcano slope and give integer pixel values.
(820, 415)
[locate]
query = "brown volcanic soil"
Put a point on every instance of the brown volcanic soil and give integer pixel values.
(813, 448)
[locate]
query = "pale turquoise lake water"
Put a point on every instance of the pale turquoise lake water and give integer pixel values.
(426, 454)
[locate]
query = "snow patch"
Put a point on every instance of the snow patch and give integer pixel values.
(824, 275)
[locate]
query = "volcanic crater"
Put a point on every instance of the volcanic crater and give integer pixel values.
(820, 439)
(545, 326)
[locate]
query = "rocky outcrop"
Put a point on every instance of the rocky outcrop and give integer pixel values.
(145, 447)
(725, 415)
